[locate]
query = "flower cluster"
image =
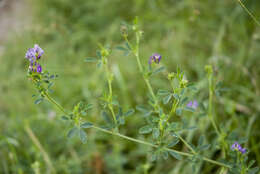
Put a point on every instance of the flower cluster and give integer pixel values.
(238, 147)
(155, 58)
(33, 55)
(193, 104)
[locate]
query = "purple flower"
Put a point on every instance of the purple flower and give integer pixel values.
(238, 147)
(243, 150)
(39, 52)
(193, 104)
(155, 58)
(34, 53)
(30, 54)
(39, 68)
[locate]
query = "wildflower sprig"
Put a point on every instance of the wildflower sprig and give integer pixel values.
(161, 116)
(164, 132)
(175, 153)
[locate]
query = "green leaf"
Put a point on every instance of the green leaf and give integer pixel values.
(174, 126)
(173, 143)
(167, 99)
(121, 120)
(153, 157)
(251, 163)
(204, 147)
(72, 132)
(82, 136)
(163, 92)
(86, 125)
(99, 64)
(175, 155)
(50, 85)
(201, 140)
(121, 48)
(253, 170)
(165, 155)
(148, 113)
(179, 111)
(98, 54)
(129, 112)
(156, 133)
(64, 117)
(52, 76)
(90, 59)
(183, 100)
(128, 46)
(38, 101)
(158, 70)
(106, 117)
(89, 106)
(176, 96)
(193, 167)
(145, 130)
(189, 109)
(141, 109)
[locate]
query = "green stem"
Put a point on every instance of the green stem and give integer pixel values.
(210, 111)
(109, 81)
(187, 144)
(249, 13)
(139, 141)
(55, 103)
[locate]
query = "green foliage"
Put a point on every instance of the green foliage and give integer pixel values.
(188, 34)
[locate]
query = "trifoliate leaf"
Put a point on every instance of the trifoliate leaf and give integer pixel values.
(72, 132)
(86, 125)
(167, 99)
(90, 59)
(145, 130)
(175, 155)
(82, 136)
(129, 112)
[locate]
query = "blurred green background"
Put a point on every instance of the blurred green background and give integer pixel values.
(187, 33)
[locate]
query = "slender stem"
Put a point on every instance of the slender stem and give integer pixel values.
(40, 147)
(151, 90)
(187, 144)
(55, 103)
(109, 81)
(249, 13)
(174, 105)
(210, 111)
(140, 141)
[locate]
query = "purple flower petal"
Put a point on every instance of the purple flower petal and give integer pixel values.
(195, 104)
(39, 68)
(155, 58)
(238, 147)
(189, 104)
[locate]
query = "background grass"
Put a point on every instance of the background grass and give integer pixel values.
(187, 33)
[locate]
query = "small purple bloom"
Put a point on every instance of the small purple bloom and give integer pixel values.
(243, 150)
(34, 53)
(235, 146)
(39, 52)
(39, 68)
(30, 55)
(238, 147)
(193, 104)
(155, 58)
